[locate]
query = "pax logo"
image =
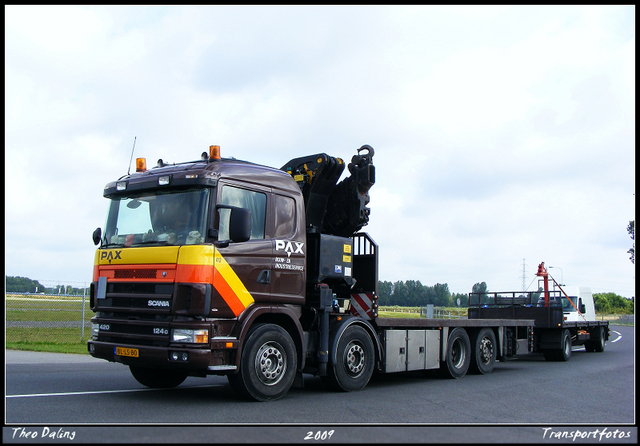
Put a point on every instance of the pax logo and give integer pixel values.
(110, 255)
(288, 247)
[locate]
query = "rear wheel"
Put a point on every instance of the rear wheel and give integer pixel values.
(483, 354)
(157, 378)
(565, 347)
(564, 352)
(597, 345)
(458, 356)
(268, 364)
(354, 361)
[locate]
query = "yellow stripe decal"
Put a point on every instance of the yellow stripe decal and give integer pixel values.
(232, 280)
(196, 255)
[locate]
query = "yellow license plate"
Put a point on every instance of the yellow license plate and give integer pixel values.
(132, 352)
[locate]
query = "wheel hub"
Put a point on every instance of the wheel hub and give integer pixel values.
(486, 351)
(270, 364)
(355, 359)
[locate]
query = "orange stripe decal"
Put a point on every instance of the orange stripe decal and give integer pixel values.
(229, 285)
(228, 295)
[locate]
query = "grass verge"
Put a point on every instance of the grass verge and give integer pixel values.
(53, 347)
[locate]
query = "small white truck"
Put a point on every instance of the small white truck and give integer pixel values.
(562, 317)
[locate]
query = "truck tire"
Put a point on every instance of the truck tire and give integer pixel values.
(596, 345)
(354, 361)
(564, 352)
(267, 365)
(458, 356)
(565, 347)
(157, 378)
(483, 353)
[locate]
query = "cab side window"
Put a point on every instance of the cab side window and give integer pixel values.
(256, 202)
(285, 216)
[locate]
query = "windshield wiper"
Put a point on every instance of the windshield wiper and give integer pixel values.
(107, 245)
(148, 242)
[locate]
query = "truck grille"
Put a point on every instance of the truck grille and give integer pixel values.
(135, 273)
(135, 313)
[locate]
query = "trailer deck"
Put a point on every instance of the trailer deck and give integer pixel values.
(391, 322)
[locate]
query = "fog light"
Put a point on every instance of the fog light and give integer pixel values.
(175, 356)
(185, 356)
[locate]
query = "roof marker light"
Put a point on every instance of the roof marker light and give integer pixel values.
(214, 152)
(141, 164)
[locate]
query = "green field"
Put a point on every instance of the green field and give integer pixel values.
(46, 323)
(53, 324)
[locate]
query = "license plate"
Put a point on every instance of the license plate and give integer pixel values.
(132, 352)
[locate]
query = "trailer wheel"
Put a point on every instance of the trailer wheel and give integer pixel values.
(267, 365)
(157, 378)
(354, 361)
(458, 357)
(483, 354)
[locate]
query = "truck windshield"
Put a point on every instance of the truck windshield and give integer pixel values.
(168, 218)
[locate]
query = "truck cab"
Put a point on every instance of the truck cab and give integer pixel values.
(580, 298)
(199, 262)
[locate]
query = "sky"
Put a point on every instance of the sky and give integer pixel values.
(504, 136)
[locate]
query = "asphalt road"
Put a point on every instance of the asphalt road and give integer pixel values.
(52, 395)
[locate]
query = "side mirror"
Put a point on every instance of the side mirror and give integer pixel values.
(234, 224)
(97, 235)
(582, 307)
(240, 225)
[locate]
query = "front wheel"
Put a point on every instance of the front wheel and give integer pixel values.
(157, 378)
(354, 361)
(267, 365)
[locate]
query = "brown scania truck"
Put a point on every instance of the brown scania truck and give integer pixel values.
(225, 267)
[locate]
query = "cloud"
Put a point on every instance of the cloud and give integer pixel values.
(500, 133)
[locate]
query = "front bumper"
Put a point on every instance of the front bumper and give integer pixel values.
(199, 361)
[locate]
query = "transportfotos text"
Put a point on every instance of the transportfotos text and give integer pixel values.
(597, 434)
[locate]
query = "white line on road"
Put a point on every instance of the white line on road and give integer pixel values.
(619, 336)
(97, 392)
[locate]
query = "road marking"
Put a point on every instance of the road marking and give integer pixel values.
(97, 392)
(619, 336)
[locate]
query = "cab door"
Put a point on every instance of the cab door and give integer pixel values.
(289, 249)
(243, 269)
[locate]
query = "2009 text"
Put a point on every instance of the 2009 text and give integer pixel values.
(320, 435)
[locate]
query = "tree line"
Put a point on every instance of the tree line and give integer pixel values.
(412, 293)
(17, 284)
(409, 293)
(611, 303)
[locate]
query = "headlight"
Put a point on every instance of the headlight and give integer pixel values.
(94, 330)
(200, 336)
